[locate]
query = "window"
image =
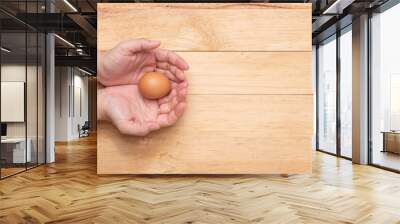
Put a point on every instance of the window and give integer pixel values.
(327, 95)
(346, 92)
(385, 89)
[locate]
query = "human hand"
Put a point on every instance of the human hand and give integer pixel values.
(129, 60)
(132, 114)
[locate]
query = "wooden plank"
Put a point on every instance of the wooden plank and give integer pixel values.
(211, 27)
(249, 72)
(226, 134)
(250, 100)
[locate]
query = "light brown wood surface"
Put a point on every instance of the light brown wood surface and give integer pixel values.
(249, 72)
(250, 103)
(225, 133)
(70, 191)
(211, 27)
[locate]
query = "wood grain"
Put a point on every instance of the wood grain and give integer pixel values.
(250, 103)
(219, 134)
(211, 27)
(249, 72)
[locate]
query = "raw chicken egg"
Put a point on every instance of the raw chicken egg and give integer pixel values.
(154, 85)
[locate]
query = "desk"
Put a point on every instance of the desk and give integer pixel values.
(17, 150)
(391, 141)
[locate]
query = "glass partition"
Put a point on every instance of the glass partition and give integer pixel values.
(32, 103)
(14, 153)
(385, 89)
(22, 77)
(327, 95)
(31, 98)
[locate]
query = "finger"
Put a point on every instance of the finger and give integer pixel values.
(178, 73)
(169, 119)
(179, 109)
(172, 69)
(172, 118)
(163, 65)
(137, 45)
(166, 120)
(182, 95)
(132, 128)
(168, 98)
(182, 91)
(162, 120)
(153, 125)
(167, 73)
(172, 58)
(174, 103)
(183, 84)
(165, 108)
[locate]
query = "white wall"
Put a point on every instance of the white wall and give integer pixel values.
(70, 83)
(80, 109)
(62, 81)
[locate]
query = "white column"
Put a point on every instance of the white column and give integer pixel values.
(360, 90)
(50, 99)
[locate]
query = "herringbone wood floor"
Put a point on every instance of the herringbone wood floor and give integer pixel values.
(69, 191)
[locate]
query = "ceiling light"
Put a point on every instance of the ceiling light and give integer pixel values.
(5, 50)
(84, 71)
(65, 41)
(70, 5)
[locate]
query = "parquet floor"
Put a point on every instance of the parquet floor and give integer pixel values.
(69, 191)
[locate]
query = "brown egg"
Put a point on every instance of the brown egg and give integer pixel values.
(154, 85)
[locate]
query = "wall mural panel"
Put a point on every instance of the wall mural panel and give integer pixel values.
(249, 102)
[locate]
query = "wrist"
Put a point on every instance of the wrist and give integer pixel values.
(101, 71)
(101, 103)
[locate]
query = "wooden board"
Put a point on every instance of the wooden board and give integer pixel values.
(233, 139)
(249, 72)
(211, 27)
(250, 103)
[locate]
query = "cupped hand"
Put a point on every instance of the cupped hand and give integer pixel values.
(129, 60)
(132, 114)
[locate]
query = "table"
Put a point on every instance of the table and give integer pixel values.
(18, 150)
